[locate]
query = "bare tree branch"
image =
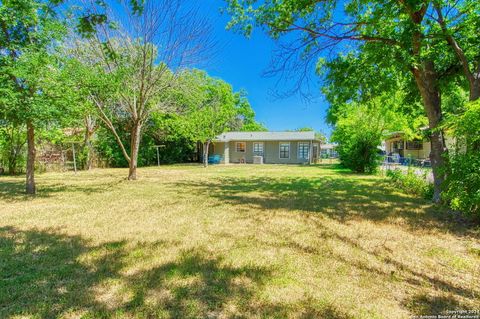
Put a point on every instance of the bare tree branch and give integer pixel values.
(146, 53)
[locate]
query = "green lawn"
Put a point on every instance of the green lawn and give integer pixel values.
(229, 242)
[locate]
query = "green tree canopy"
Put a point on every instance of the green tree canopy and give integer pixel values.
(211, 107)
(360, 129)
(404, 35)
(29, 35)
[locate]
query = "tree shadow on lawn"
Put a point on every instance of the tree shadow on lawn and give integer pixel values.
(424, 304)
(340, 198)
(46, 274)
(15, 190)
(428, 292)
(344, 199)
(41, 274)
(195, 286)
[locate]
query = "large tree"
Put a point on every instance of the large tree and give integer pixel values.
(140, 59)
(400, 32)
(210, 107)
(28, 30)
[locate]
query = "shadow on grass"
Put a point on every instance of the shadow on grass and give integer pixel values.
(195, 286)
(429, 293)
(15, 190)
(339, 197)
(41, 274)
(336, 167)
(432, 305)
(46, 274)
(344, 199)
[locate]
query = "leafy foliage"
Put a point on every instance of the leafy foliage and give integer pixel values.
(209, 107)
(411, 183)
(200, 108)
(463, 181)
(372, 47)
(29, 38)
(359, 130)
(12, 148)
(213, 107)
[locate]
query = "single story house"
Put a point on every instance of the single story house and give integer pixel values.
(397, 146)
(328, 151)
(266, 147)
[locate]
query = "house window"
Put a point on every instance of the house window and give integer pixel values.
(258, 148)
(415, 145)
(240, 147)
(284, 150)
(303, 150)
(397, 145)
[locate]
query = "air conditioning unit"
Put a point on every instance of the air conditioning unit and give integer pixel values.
(258, 160)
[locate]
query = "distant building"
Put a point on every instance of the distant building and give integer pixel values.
(328, 151)
(265, 147)
(398, 147)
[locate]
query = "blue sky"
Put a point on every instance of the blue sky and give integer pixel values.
(241, 61)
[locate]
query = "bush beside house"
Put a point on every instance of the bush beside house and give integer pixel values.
(462, 189)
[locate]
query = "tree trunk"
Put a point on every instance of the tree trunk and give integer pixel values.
(30, 185)
(426, 79)
(135, 145)
(89, 146)
(90, 128)
(89, 155)
(206, 145)
(475, 86)
(473, 79)
(12, 168)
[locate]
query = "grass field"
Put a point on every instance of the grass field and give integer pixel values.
(229, 242)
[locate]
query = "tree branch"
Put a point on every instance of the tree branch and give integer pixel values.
(105, 119)
(454, 44)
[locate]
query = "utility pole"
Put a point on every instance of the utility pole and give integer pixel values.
(158, 153)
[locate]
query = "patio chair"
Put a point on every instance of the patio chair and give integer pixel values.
(427, 163)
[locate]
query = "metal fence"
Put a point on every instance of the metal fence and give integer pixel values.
(419, 167)
(394, 161)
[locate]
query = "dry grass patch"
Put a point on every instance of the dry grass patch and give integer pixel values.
(267, 241)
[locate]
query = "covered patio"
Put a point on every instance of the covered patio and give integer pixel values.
(401, 151)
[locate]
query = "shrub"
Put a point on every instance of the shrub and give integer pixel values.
(359, 153)
(463, 184)
(411, 183)
(12, 148)
(359, 130)
(462, 187)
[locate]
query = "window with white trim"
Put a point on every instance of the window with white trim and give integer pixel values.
(258, 148)
(415, 145)
(284, 150)
(303, 150)
(240, 147)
